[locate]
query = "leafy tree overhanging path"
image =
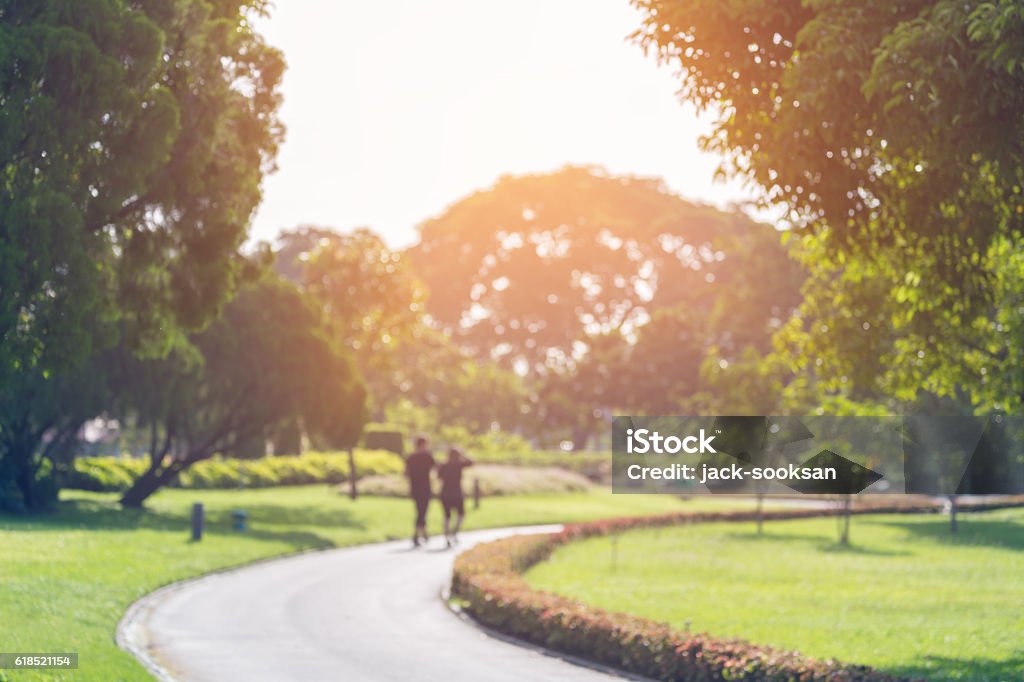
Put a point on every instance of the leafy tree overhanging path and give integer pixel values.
(364, 613)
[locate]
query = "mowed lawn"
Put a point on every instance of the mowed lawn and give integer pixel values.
(906, 597)
(67, 577)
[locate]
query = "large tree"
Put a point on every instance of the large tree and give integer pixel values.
(434, 373)
(891, 132)
(371, 299)
(266, 361)
(873, 119)
(133, 140)
(528, 270)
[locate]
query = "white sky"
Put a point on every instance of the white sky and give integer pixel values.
(397, 109)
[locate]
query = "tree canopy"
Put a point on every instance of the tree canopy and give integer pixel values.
(268, 359)
(861, 117)
(371, 299)
(524, 271)
(133, 140)
(891, 133)
(605, 293)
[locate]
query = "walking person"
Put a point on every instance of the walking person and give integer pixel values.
(418, 466)
(452, 499)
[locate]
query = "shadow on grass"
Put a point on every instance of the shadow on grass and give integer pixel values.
(282, 515)
(819, 543)
(93, 514)
(941, 668)
(979, 529)
(277, 523)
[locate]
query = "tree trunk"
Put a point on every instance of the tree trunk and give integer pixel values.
(580, 437)
(20, 468)
(147, 484)
(26, 479)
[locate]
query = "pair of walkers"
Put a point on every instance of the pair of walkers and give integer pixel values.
(418, 467)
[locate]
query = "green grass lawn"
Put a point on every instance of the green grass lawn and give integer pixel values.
(905, 597)
(67, 577)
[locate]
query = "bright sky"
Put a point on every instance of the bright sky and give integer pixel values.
(397, 109)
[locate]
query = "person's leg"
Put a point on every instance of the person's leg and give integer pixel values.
(421, 520)
(460, 510)
(447, 522)
(447, 518)
(416, 523)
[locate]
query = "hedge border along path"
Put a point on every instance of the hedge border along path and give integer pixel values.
(488, 578)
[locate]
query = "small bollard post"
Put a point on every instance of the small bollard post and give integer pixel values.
(476, 493)
(240, 520)
(352, 492)
(197, 522)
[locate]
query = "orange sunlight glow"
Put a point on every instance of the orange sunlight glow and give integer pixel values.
(395, 110)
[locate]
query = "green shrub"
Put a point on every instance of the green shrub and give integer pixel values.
(384, 437)
(212, 473)
(104, 474)
(259, 473)
(116, 474)
(497, 444)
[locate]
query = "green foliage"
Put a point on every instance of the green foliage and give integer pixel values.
(37, 434)
(264, 363)
(552, 258)
(869, 333)
(104, 474)
(117, 474)
(842, 112)
(374, 303)
(748, 383)
(508, 444)
(133, 140)
(604, 293)
(378, 437)
(416, 420)
(454, 387)
(371, 299)
(891, 132)
(410, 418)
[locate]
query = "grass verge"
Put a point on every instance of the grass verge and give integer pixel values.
(907, 598)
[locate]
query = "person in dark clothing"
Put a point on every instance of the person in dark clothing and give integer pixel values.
(452, 499)
(418, 466)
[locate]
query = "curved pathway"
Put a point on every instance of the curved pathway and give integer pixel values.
(372, 612)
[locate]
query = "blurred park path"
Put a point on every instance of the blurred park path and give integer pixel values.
(372, 612)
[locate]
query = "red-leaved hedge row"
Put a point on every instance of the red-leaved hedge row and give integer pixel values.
(488, 579)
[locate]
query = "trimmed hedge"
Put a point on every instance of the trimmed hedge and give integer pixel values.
(488, 578)
(495, 480)
(116, 474)
(384, 437)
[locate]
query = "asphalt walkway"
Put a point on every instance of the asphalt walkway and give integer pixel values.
(363, 613)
